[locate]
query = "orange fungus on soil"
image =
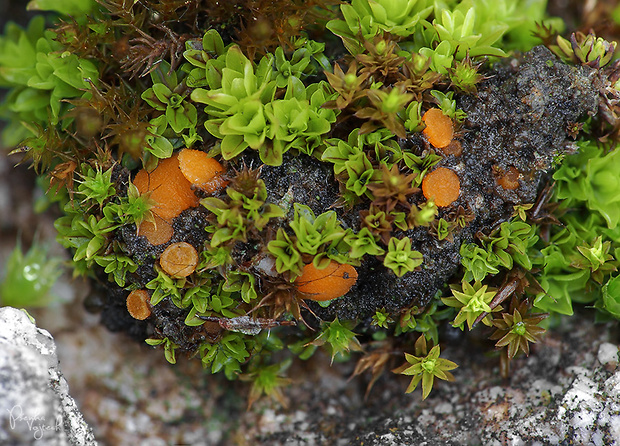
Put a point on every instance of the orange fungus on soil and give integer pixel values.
(169, 188)
(439, 129)
(179, 259)
(201, 170)
(454, 148)
(441, 185)
(325, 284)
(173, 194)
(157, 232)
(510, 179)
(139, 305)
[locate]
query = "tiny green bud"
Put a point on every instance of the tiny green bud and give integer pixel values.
(590, 50)
(350, 79)
(381, 47)
(519, 329)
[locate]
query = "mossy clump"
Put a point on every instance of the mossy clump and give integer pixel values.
(229, 172)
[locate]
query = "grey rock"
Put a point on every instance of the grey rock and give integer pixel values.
(566, 393)
(35, 405)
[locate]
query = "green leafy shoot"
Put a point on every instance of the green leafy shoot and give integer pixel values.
(178, 113)
(244, 212)
(425, 367)
(363, 243)
(138, 206)
(285, 253)
(318, 236)
(95, 185)
(587, 49)
(169, 348)
(339, 337)
(517, 330)
(164, 286)
(597, 259)
(478, 262)
(364, 19)
(382, 319)
(400, 258)
(227, 355)
(448, 105)
(268, 381)
(472, 301)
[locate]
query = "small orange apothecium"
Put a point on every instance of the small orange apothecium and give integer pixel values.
(173, 194)
(139, 304)
(510, 179)
(169, 188)
(441, 185)
(326, 284)
(439, 129)
(201, 170)
(179, 259)
(454, 148)
(157, 232)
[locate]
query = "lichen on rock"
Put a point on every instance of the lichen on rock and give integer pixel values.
(35, 404)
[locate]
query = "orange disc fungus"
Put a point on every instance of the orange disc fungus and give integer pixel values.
(201, 170)
(173, 194)
(139, 304)
(169, 188)
(454, 148)
(510, 179)
(179, 259)
(439, 129)
(156, 233)
(325, 284)
(441, 185)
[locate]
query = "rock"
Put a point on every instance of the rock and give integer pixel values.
(567, 392)
(35, 406)
(608, 355)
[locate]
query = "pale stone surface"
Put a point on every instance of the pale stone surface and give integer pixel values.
(35, 406)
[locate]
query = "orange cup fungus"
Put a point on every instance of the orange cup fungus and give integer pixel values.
(139, 304)
(439, 129)
(179, 260)
(326, 284)
(170, 184)
(157, 232)
(441, 185)
(454, 148)
(173, 194)
(201, 170)
(169, 188)
(510, 179)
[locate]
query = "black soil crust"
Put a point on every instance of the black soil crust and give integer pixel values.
(520, 119)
